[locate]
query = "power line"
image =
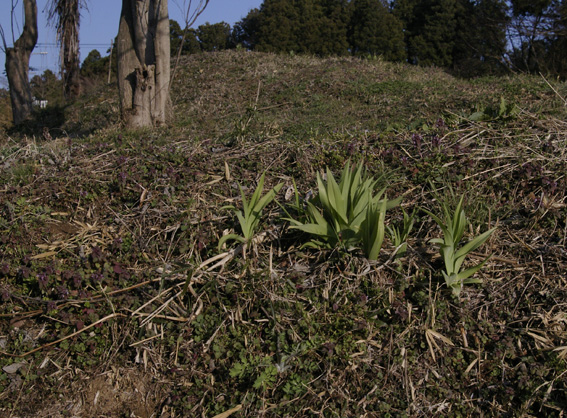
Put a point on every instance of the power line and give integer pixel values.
(80, 44)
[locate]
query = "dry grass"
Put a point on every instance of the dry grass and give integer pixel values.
(116, 301)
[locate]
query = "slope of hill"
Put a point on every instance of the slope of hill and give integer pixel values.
(117, 300)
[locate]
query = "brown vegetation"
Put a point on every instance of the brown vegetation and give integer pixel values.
(117, 301)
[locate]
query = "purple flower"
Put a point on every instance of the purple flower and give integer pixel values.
(97, 277)
(97, 254)
(551, 185)
(5, 268)
(417, 140)
(42, 280)
(24, 272)
(329, 348)
(436, 141)
(351, 148)
(77, 280)
(63, 292)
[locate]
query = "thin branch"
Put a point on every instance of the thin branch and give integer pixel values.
(100, 321)
(13, 20)
(189, 21)
(3, 39)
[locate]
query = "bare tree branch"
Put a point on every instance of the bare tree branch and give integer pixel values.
(189, 20)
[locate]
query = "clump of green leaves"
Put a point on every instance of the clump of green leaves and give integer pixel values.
(453, 253)
(347, 213)
(504, 111)
(251, 213)
(399, 235)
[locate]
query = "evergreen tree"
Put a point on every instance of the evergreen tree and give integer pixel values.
(374, 30)
(530, 7)
(245, 32)
(334, 28)
(304, 26)
(277, 30)
(481, 38)
(214, 37)
(430, 30)
(308, 32)
(556, 57)
(191, 44)
(47, 87)
(93, 65)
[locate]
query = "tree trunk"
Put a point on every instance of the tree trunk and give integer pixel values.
(144, 62)
(69, 38)
(18, 64)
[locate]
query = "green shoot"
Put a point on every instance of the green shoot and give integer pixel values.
(453, 254)
(347, 213)
(249, 216)
(400, 236)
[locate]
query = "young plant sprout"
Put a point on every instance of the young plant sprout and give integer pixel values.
(347, 214)
(249, 216)
(453, 252)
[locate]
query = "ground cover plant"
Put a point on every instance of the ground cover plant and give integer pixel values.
(117, 301)
(453, 252)
(346, 214)
(251, 213)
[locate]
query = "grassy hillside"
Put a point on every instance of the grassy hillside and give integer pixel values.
(117, 300)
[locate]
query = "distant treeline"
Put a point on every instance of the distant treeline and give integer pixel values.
(467, 37)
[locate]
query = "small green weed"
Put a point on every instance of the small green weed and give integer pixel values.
(505, 111)
(453, 228)
(399, 235)
(249, 217)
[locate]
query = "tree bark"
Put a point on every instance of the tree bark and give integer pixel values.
(144, 62)
(18, 64)
(69, 37)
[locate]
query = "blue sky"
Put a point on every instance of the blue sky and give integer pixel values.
(99, 25)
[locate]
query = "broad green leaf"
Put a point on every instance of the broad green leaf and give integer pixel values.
(259, 189)
(267, 199)
(227, 237)
(315, 215)
(336, 200)
(249, 216)
(393, 203)
(323, 197)
(453, 230)
(244, 201)
(340, 212)
(448, 252)
(503, 108)
(475, 243)
(375, 217)
(243, 223)
(315, 229)
(440, 223)
(469, 272)
(345, 185)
